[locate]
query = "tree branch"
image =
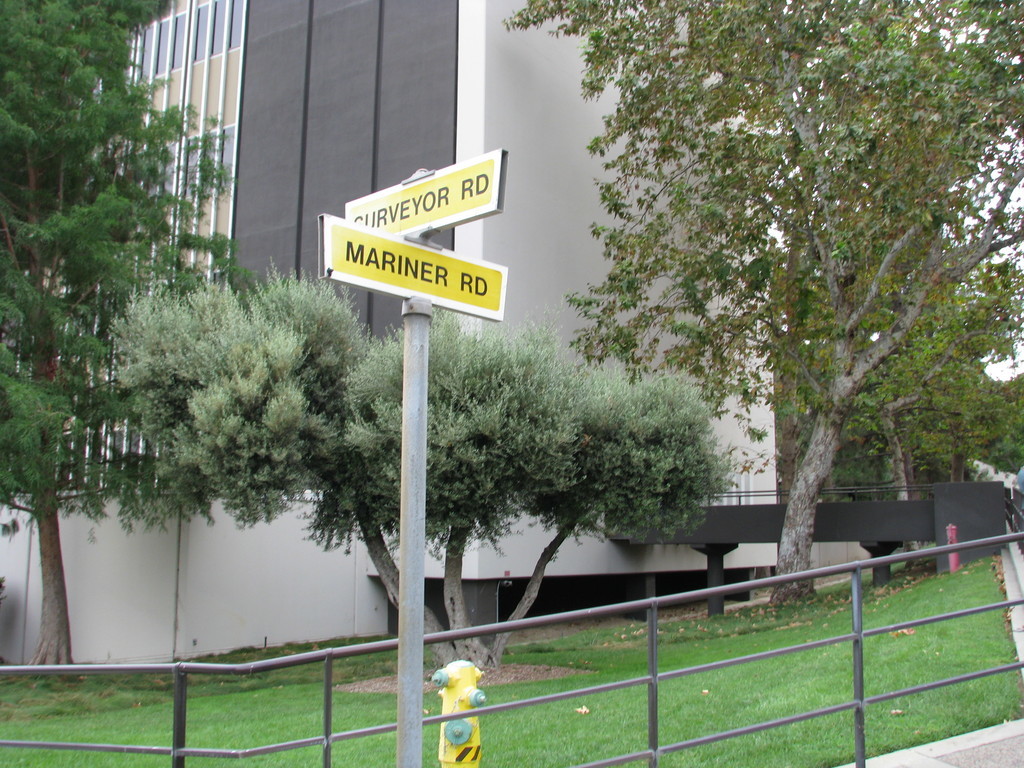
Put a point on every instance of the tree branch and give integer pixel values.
(904, 402)
(8, 239)
(381, 558)
(858, 315)
(532, 587)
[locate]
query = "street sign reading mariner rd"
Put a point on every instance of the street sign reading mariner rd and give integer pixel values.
(438, 199)
(379, 261)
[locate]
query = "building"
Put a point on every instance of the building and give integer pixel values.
(318, 102)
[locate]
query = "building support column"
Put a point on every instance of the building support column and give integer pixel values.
(715, 554)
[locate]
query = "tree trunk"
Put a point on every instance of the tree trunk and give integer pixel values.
(472, 649)
(897, 457)
(382, 560)
(529, 596)
(957, 467)
(54, 627)
(787, 448)
(798, 526)
(789, 420)
(911, 475)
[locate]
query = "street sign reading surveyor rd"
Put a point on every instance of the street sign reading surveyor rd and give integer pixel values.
(368, 258)
(438, 199)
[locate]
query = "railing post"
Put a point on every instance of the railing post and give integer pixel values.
(328, 707)
(180, 717)
(857, 603)
(652, 686)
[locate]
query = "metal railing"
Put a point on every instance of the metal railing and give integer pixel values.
(884, 492)
(178, 750)
(1015, 516)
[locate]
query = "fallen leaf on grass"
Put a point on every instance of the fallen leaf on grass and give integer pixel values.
(583, 711)
(899, 632)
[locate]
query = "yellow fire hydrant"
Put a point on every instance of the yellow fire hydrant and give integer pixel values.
(460, 739)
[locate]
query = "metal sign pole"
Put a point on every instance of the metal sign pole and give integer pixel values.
(416, 314)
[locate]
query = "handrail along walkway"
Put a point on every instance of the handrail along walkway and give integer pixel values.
(178, 751)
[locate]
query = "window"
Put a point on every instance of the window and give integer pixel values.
(162, 44)
(147, 52)
(218, 27)
(227, 149)
(237, 19)
(202, 17)
(191, 169)
(178, 50)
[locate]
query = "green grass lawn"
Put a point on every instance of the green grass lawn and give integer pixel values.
(239, 712)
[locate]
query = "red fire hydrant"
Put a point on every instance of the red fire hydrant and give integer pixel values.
(954, 557)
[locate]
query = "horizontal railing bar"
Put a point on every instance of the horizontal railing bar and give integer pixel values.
(503, 707)
(298, 659)
(166, 668)
(575, 693)
(86, 747)
(964, 678)
(942, 617)
(758, 727)
(667, 601)
(774, 653)
(373, 730)
(267, 749)
(632, 757)
(666, 749)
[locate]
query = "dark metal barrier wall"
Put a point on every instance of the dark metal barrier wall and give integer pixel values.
(178, 751)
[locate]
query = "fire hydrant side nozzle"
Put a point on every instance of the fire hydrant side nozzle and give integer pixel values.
(459, 744)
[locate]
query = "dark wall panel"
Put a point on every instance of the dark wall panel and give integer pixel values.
(340, 126)
(270, 135)
(418, 70)
(419, 48)
(380, 76)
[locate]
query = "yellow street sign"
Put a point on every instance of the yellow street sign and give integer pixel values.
(437, 199)
(368, 258)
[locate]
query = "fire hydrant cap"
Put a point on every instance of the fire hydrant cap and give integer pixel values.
(477, 698)
(440, 678)
(458, 731)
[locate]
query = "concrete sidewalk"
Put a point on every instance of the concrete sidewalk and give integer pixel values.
(1001, 746)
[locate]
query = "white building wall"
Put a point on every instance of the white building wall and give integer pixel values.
(269, 585)
(19, 612)
(120, 591)
(595, 556)
(589, 555)
(193, 589)
(519, 91)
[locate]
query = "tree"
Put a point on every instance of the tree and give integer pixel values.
(84, 222)
(514, 430)
(932, 403)
(1006, 450)
(242, 396)
(792, 185)
(645, 459)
